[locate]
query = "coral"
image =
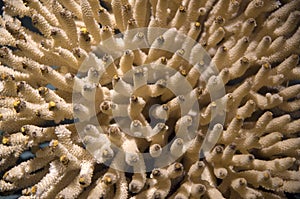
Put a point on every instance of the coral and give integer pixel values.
(150, 98)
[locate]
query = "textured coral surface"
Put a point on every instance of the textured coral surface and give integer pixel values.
(63, 99)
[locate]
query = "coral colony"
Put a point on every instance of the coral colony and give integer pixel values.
(150, 99)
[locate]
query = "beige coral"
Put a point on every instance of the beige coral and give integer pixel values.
(254, 46)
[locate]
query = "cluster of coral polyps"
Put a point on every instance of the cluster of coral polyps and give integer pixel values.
(253, 44)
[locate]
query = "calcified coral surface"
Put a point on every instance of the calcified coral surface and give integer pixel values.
(254, 46)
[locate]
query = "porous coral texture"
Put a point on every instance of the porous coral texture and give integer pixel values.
(254, 46)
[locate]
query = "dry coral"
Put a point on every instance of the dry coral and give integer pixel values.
(91, 89)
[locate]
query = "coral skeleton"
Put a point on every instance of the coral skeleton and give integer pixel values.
(150, 99)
